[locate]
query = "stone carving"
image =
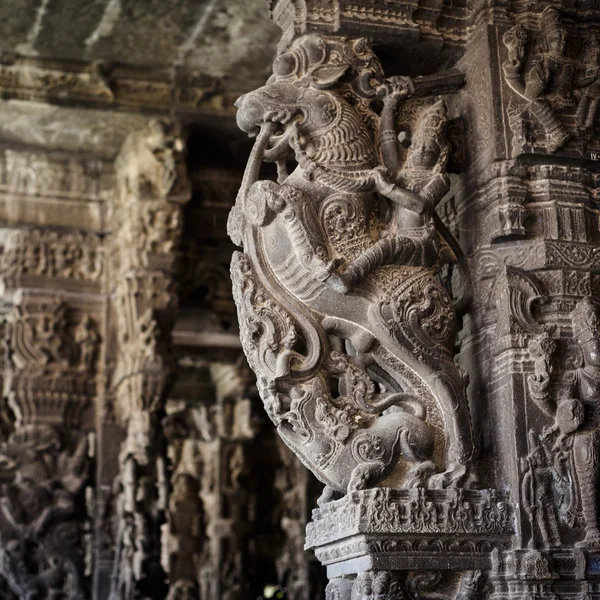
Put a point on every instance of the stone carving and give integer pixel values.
(550, 474)
(371, 585)
(429, 585)
(50, 365)
(141, 502)
(46, 253)
(539, 477)
(542, 75)
(472, 586)
(152, 186)
(588, 82)
(296, 569)
(184, 589)
(575, 413)
(41, 523)
(320, 261)
(416, 511)
(346, 314)
(541, 349)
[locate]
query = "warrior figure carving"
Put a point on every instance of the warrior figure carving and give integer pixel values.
(342, 315)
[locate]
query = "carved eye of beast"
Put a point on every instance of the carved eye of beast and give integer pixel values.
(285, 65)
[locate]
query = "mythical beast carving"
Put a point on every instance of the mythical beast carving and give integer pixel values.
(342, 315)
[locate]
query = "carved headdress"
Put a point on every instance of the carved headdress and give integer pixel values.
(434, 119)
(584, 319)
(432, 125)
(550, 24)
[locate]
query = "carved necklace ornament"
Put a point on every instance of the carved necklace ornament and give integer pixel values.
(386, 403)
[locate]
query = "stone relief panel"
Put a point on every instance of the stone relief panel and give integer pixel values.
(552, 77)
(49, 382)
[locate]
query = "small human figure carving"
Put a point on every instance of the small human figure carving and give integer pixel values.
(537, 492)
(588, 81)
(87, 340)
(411, 237)
(544, 79)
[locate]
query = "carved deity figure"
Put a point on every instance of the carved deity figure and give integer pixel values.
(544, 77)
(537, 492)
(411, 235)
(87, 340)
(348, 245)
(578, 412)
(588, 80)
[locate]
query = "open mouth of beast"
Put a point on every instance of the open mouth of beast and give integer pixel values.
(279, 146)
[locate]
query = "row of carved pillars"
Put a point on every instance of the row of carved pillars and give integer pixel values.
(118, 481)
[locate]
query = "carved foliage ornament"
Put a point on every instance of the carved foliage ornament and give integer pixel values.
(319, 261)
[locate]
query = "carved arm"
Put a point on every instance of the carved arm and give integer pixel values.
(405, 198)
(587, 78)
(396, 90)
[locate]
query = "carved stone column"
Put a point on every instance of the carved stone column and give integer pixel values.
(527, 216)
(152, 186)
(347, 325)
(52, 307)
(416, 291)
(49, 383)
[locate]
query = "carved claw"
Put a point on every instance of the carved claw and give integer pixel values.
(452, 477)
(328, 495)
(363, 474)
(418, 474)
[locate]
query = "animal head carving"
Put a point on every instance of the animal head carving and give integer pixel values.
(319, 85)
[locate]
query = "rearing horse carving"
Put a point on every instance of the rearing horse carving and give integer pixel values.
(342, 314)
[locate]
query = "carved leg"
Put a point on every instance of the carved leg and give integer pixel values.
(327, 496)
(585, 453)
(591, 115)
(364, 473)
(454, 476)
(556, 134)
(552, 526)
(418, 474)
(582, 112)
(388, 251)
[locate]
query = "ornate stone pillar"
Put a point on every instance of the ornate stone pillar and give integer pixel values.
(52, 307)
(416, 292)
(49, 383)
(152, 187)
(527, 217)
